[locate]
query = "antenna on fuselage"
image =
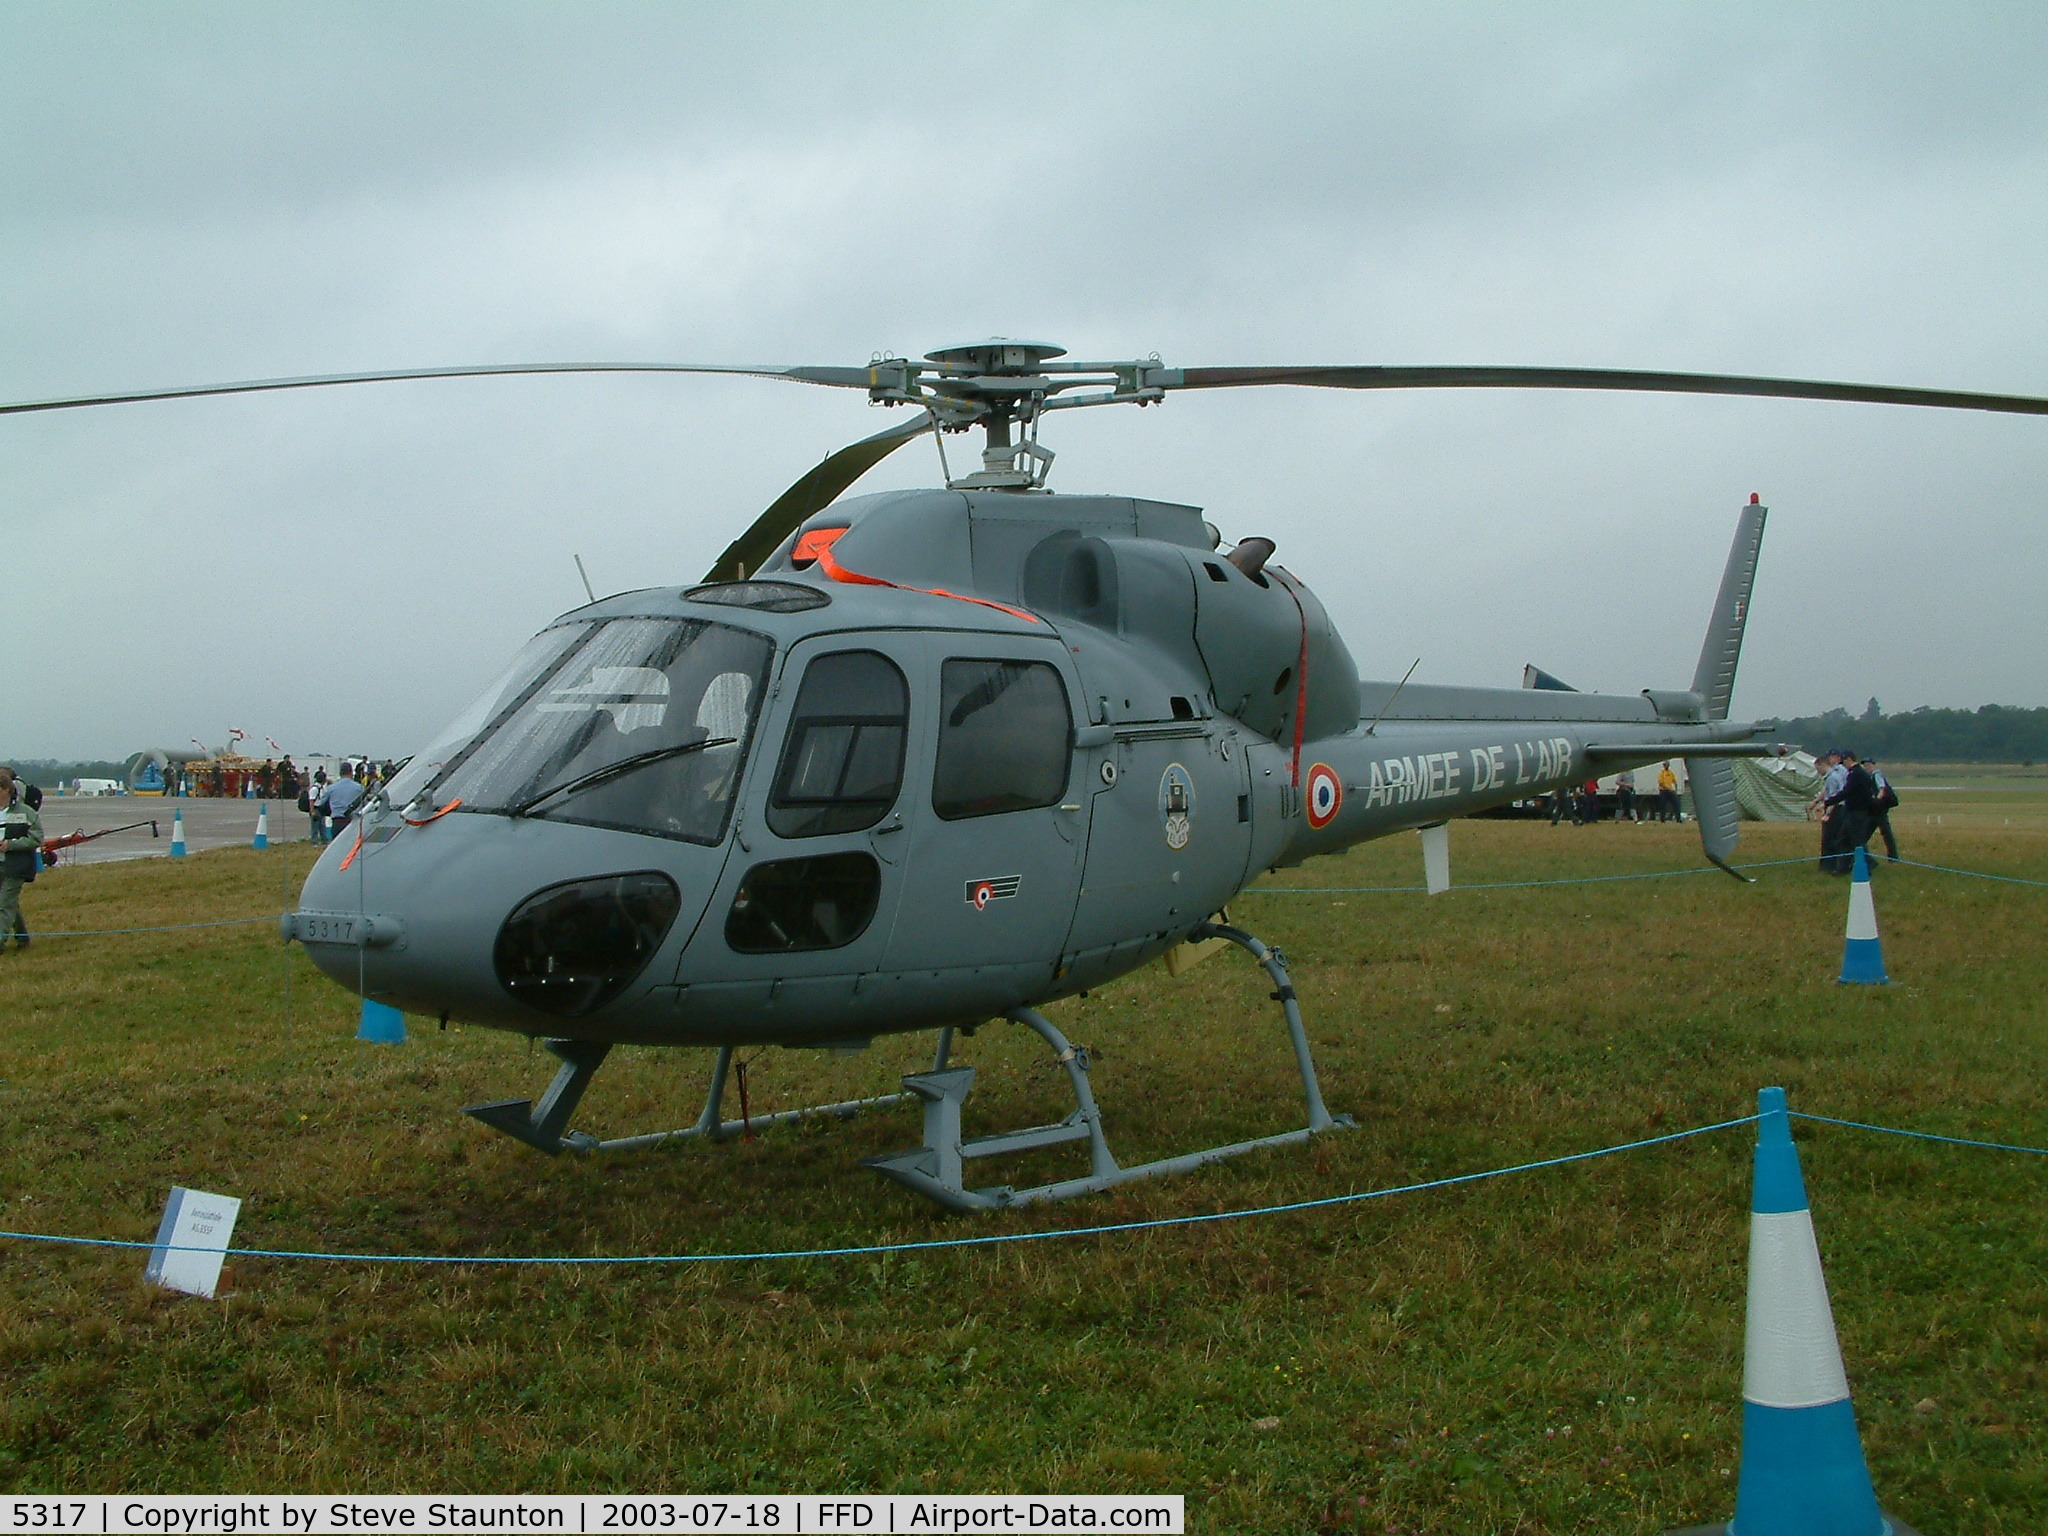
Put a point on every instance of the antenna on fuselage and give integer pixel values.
(1376, 719)
(586, 579)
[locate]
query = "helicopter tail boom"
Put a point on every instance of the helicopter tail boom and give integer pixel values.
(1423, 753)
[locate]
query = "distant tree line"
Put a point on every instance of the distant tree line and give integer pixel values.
(1993, 733)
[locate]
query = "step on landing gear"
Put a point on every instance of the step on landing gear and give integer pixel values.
(545, 1125)
(935, 1169)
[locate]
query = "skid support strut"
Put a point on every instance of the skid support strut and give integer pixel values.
(544, 1125)
(935, 1169)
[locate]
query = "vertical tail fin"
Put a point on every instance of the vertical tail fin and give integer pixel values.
(1714, 679)
(1713, 802)
(1713, 778)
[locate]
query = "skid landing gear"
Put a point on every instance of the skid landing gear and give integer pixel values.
(544, 1125)
(935, 1169)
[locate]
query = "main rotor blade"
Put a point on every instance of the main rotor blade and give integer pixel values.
(815, 492)
(1590, 378)
(844, 378)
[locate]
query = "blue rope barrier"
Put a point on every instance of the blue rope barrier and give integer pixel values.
(989, 1239)
(1891, 1130)
(868, 1249)
(1974, 873)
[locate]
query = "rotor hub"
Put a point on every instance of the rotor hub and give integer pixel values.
(996, 355)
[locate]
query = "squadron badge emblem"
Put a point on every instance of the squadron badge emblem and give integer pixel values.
(1177, 805)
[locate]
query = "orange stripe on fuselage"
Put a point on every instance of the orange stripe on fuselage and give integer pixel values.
(817, 544)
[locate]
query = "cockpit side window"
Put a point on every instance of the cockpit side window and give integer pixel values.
(1005, 738)
(843, 762)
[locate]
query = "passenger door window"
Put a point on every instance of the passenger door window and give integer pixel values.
(842, 764)
(1005, 737)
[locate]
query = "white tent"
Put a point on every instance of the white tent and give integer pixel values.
(1776, 788)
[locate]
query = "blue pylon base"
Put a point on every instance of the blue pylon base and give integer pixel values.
(382, 1024)
(1863, 964)
(1723, 1528)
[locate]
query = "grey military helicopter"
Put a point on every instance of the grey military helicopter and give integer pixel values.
(927, 759)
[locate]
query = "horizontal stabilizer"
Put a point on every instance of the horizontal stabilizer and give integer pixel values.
(1535, 677)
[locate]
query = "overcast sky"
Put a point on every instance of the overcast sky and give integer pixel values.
(195, 193)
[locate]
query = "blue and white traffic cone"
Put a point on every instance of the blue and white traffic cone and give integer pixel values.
(382, 1024)
(1862, 955)
(262, 825)
(177, 834)
(1803, 1472)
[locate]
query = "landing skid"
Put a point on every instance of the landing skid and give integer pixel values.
(935, 1169)
(544, 1125)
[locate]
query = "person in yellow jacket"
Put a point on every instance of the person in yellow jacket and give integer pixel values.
(21, 834)
(1667, 794)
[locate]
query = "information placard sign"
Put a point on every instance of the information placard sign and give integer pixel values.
(191, 1241)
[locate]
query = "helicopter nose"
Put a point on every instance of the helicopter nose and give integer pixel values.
(525, 924)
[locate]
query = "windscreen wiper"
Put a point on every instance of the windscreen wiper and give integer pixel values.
(622, 766)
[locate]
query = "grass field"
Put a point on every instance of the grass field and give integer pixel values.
(1971, 796)
(1551, 1352)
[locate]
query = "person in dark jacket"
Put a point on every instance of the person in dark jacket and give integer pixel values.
(1856, 804)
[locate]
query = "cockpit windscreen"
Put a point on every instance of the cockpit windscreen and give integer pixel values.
(638, 724)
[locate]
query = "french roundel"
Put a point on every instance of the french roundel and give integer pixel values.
(1325, 795)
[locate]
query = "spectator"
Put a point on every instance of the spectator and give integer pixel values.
(1881, 809)
(1625, 796)
(341, 799)
(1858, 804)
(1667, 795)
(21, 835)
(315, 804)
(1834, 779)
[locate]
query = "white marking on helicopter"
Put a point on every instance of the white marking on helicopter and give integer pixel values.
(1437, 775)
(996, 888)
(1405, 780)
(1489, 767)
